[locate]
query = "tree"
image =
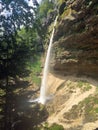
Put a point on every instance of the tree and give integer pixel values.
(44, 8)
(14, 15)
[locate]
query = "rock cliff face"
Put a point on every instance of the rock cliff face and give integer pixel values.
(76, 39)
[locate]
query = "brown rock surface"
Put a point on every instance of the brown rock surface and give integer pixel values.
(74, 102)
(76, 39)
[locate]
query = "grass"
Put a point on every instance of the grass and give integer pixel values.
(88, 108)
(96, 110)
(87, 87)
(80, 84)
(84, 85)
(91, 108)
(96, 100)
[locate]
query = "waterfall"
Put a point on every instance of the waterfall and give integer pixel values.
(43, 90)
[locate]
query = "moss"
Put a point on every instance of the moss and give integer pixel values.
(84, 85)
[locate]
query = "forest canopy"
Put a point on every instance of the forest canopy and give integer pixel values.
(15, 15)
(16, 23)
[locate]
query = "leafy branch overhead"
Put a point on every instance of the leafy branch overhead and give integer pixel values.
(14, 14)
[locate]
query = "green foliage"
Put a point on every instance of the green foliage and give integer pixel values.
(28, 38)
(84, 85)
(14, 44)
(53, 127)
(56, 127)
(17, 16)
(91, 108)
(96, 110)
(44, 8)
(80, 84)
(35, 67)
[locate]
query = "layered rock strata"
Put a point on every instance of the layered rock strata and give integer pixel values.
(76, 39)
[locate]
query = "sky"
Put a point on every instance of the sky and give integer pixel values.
(31, 4)
(6, 13)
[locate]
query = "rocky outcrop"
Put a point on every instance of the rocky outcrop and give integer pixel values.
(76, 39)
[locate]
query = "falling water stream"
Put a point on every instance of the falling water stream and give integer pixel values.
(44, 85)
